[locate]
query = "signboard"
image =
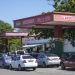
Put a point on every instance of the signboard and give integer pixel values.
(65, 18)
(47, 18)
(32, 21)
(13, 34)
(28, 21)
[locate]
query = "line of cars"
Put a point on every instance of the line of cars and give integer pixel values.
(21, 59)
(47, 59)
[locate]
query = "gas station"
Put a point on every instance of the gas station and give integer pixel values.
(8, 35)
(58, 21)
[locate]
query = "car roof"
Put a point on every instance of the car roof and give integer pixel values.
(25, 55)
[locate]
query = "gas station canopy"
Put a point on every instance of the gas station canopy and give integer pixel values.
(13, 34)
(47, 20)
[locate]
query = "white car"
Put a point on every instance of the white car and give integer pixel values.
(5, 60)
(23, 61)
(48, 59)
(18, 52)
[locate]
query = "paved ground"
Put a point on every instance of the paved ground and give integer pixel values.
(39, 71)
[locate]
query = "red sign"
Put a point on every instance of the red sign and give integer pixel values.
(65, 18)
(50, 18)
(43, 19)
(32, 21)
(14, 34)
(28, 21)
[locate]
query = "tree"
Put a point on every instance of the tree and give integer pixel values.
(59, 6)
(42, 32)
(6, 27)
(63, 5)
(66, 6)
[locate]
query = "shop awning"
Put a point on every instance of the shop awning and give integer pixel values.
(28, 46)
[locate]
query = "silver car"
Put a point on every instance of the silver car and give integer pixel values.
(46, 59)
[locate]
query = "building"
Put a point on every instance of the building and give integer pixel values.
(58, 21)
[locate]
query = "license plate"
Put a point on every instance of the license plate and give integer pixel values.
(30, 60)
(55, 59)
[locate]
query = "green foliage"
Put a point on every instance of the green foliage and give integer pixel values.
(42, 32)
(5, 27)
(12, 43)
(64, 5)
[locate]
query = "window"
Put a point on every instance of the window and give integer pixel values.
(18, 58)
(20, 52)
(27, 57)
(14, 58)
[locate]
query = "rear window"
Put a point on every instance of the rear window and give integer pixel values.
(7, 58)
(20, 52)
(27, 57)
(51, 54)
(34, 55)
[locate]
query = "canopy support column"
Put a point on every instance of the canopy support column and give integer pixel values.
(58, 31)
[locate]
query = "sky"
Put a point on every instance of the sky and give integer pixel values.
(16, 9)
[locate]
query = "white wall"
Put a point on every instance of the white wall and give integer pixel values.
(68, 46)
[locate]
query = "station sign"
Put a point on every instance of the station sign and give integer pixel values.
(44, 20)
(32, 21)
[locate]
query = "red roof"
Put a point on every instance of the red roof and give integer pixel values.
(13, 34)
(47, 19)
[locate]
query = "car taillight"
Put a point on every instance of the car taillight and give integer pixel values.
(24, 61)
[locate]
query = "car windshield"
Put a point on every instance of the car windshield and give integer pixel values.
(20, 52)
(27, 57)
(7, 58)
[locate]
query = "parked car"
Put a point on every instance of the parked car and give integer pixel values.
(68, 62)
(5, 60)
(23, 61)
(18, 52)
(35, 55)
(46, 59)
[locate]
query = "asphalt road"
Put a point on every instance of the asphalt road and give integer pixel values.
(39, 71)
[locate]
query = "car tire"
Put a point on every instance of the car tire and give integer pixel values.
(10, 67)
(57, 65)
(44, 65)
(3, 66)
(62, 66)
(34, 69)
(19, 67)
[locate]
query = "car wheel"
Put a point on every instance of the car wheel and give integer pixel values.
(3, 66)
(19, 67)
(34, 69)
(57, 65)
(62, 66)
(10, 66)
(44, 64)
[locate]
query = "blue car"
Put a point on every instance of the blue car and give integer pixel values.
(5, 60)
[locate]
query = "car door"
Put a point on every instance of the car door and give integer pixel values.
(14, 65)
(41, 59)
(72, 61)
(1, 61)
(17, 62)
